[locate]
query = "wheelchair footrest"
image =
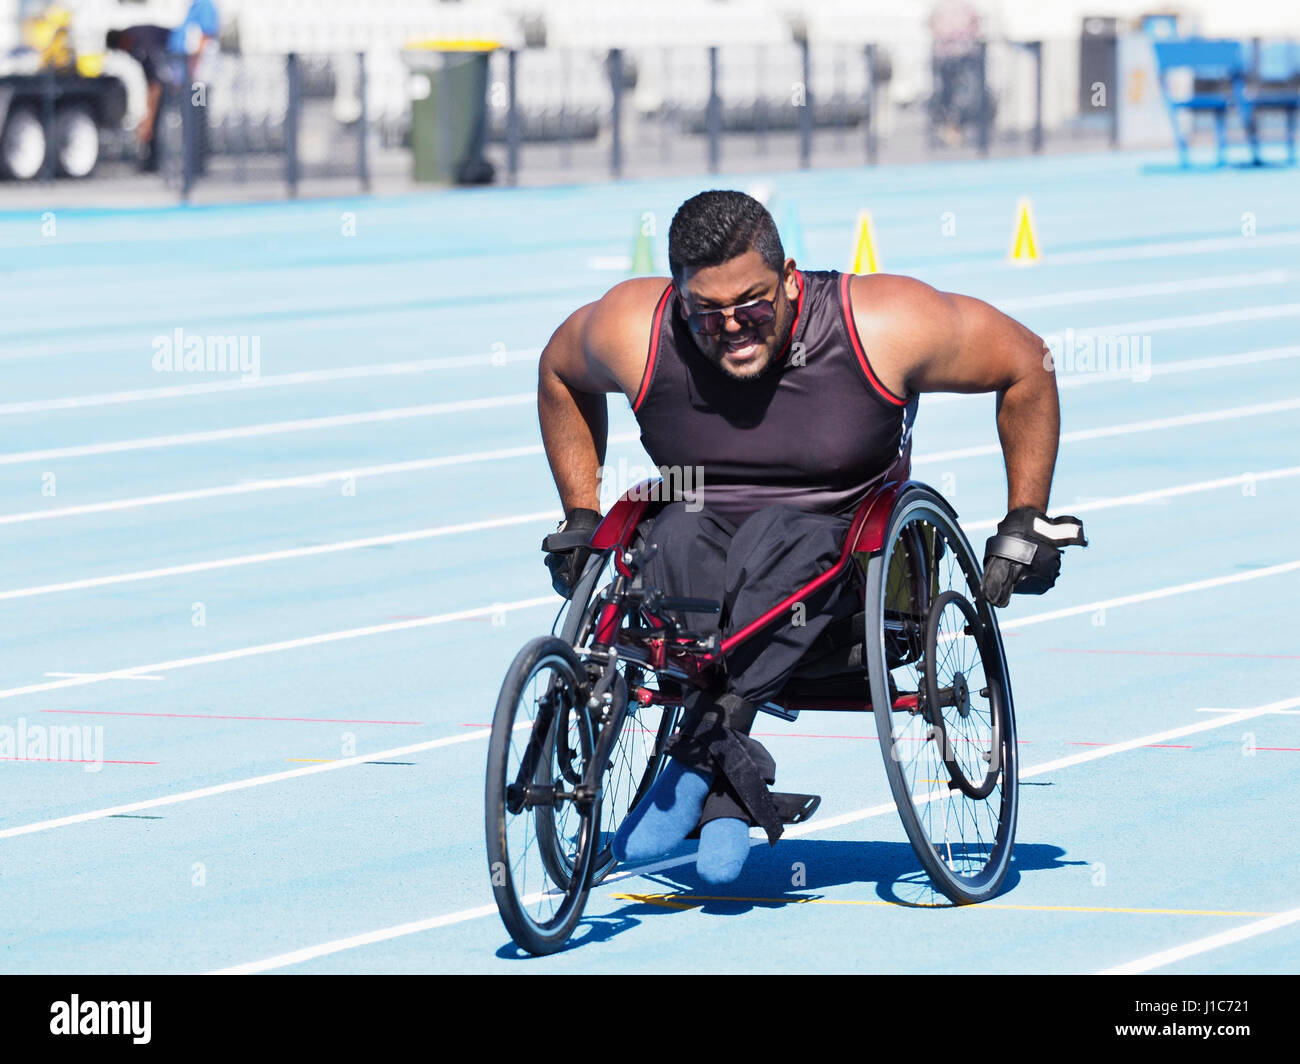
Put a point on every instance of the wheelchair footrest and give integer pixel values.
(791, 808)
(795, 808)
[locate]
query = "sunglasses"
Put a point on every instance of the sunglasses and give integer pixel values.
(755, 313)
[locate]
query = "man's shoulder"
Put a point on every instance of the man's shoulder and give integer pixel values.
(890, 290)
(622, 316)
(632, 298)
(616, 329)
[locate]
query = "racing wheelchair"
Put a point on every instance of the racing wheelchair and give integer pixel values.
(580, 725)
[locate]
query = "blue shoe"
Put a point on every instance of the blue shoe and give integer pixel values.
(664, 817)
(724, 845)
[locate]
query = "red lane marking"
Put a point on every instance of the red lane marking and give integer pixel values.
(1170, 653)
(77, 761)
(217, 716)
(1148, 746)
(1293, 749)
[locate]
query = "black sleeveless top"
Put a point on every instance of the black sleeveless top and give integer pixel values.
(816, 431)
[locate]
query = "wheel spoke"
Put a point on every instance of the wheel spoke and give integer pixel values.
(964, 841)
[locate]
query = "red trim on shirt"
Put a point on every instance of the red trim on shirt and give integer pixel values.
(798, 312)
(653, 353)
(847, 303)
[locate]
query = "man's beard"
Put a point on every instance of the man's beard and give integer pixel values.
(768, 360)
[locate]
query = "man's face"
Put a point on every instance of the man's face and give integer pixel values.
(742, 351)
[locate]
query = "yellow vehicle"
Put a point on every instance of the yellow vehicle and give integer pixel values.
(54, 103)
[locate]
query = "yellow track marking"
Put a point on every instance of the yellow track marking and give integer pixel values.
(689, 901)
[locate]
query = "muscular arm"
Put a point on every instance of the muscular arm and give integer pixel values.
(600, 348)
(931, 341)
(573, 415)
(152, 97)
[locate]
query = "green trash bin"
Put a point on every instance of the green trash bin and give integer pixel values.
(449, 80)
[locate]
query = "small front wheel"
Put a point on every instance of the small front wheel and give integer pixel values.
(541, 828)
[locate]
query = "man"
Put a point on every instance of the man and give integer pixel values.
(790, 394)
(169, 58)
(147, 45)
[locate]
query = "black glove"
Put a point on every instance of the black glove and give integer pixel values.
(1025, 556)
(568, 548)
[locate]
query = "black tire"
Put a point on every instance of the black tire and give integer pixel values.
(22, 143)
(638, 756)
(542, 696)
(964, 844)
(76, 140)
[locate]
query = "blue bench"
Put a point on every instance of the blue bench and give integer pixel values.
(1222, 84)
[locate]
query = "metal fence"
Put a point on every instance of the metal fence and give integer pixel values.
(280, 124)
(654, 111)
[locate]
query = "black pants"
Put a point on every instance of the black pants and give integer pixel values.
(749, 570)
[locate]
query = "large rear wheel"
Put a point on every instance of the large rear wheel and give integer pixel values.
(942, 699)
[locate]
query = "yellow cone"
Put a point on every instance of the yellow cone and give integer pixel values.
(1024, 242)
(864, 247)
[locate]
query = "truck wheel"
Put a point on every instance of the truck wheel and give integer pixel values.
(77, 140)
(22, 145)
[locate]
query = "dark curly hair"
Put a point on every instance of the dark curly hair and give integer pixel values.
(715, 226)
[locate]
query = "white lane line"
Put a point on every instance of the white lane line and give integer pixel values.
(626, 437)
(1155, 250)
(271, 428)
(278, 380)
(1230, 717)
(480, 611)
(1152, 425)
(1196, 321)
(498, 358)
(812, 827)
(274, 484)
(1140, 291)
(550, 515)
(1162, 369)
(284, 644)
(367, 939)
(1148, 596)
(239, 785)
(1154, 495)
(1203, 945)
(139, 677)
(281, 555)
(1279, 712)
(1137, 374)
